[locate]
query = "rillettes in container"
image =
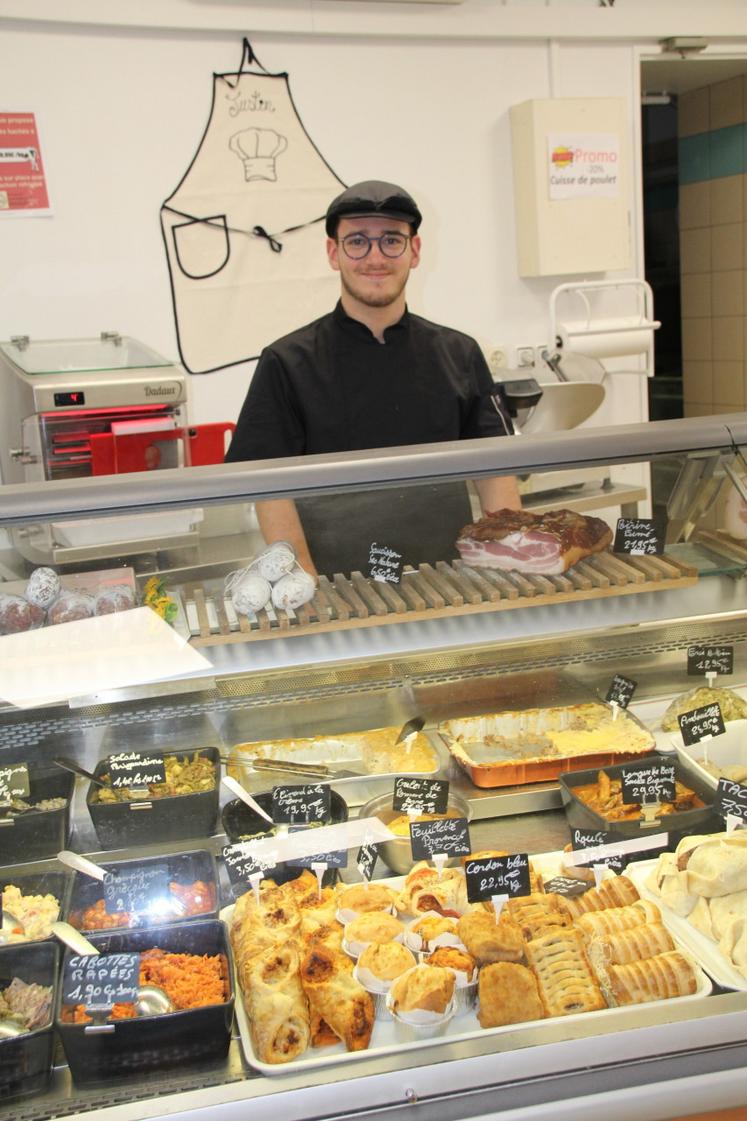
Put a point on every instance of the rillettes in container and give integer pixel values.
(158, 815)
(117, 1047)
(26, 1059)
(38, 833)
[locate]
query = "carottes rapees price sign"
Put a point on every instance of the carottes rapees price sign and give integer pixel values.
(100, 981)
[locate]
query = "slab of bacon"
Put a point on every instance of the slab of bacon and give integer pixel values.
(544, 543)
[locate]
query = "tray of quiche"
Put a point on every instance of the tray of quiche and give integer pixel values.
(407, 962)
(538, 744)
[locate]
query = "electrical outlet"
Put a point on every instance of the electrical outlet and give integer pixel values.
(497, 359)
(525, 357)
(539, 350)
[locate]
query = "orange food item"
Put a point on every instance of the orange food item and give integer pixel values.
(195, 899)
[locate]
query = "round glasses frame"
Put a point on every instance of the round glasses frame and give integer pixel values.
(357, 246)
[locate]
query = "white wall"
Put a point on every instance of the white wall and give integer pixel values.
(122, 110)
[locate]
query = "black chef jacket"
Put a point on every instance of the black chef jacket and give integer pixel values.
(331, 387)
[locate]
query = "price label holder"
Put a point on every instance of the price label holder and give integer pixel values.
(14, 782)
(701, 722)
(133, 768)
(100, 981)
(366, 861)
(731, 800)
(499, 902)
(497, 875)
(319, 867)
(620, 692)
(710, 660)
(639, 537)
(241, 863)
(302, 803)
(592, 838)
(385, 564)
(423, 795)
(337, 859)
(648, 785)
(138, 889)
(566, 885)
(448, 835)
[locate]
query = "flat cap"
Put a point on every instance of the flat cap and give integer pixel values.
(373, 198)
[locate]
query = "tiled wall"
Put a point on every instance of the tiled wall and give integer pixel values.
(713, 246)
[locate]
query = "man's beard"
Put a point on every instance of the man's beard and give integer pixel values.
(370, 297)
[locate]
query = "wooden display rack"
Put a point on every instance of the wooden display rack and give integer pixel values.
(429, 592)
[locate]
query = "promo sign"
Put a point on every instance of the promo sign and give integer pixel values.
(449, 835)
(647, 782)
(301, 803)
(426, 795)
(698, 723)
(101, 980)
(583, 165)
(497, 875)
(135, 889)
(132, 768)
(14, 782)
(384, 564)
(638, 537)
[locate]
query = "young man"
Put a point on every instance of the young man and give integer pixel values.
(371, 375)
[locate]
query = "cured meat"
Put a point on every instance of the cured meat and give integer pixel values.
(524, 542)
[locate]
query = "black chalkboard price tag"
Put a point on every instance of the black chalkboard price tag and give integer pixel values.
(709, 659)
(643, 783)
(384, 563)
(731, 799)
(304, 803)
(101, 980)
(701, 722)
(133, 768)
(241, 863)
(426, 795)
(566, 885)
(621, 690)
(497, 875)
(366, 861)
(590, 838)
(14, 782)
(638, 537)
(337, 859)
(135, 889)
(448, 835)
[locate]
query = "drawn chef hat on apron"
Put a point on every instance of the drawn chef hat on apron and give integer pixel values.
(373, 198)
(258, 148)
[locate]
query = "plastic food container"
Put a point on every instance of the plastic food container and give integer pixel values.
(26, 1060)
(240, 822)
(173, 818)
(38, 834)
(397, 854)
(56, 884)
(677, 825)
(86, 910)
(98, 1052)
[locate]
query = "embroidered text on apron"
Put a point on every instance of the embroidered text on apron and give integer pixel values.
(244, 230)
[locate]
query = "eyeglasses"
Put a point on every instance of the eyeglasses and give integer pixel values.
(357, 246)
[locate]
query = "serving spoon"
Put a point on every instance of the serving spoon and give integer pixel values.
(69, 765)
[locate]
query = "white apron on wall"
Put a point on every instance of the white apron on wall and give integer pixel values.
(244, 230)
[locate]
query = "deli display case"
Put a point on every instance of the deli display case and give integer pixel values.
(512, 675)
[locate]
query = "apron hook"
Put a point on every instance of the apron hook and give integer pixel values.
(274, 244)
(247, 58)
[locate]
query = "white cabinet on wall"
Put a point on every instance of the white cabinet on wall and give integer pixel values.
(571, 175)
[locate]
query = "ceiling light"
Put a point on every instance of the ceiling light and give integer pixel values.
(683, 45)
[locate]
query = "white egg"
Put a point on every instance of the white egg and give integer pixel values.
(250, 593)
(293, 589)
(43, 587)
(275, 561)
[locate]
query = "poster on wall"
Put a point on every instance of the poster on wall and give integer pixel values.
(23, 179)
(244, 229)
(583, 165)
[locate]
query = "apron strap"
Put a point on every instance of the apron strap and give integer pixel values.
(247, 58)
(273, 240)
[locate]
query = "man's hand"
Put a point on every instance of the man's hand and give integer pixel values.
(279, 521)
(498, 494)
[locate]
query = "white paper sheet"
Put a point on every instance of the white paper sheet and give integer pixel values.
(106, 652)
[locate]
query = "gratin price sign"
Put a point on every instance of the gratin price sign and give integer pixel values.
(366, 861)
(449, 835)
(709, 660)
(139, 890)
(132, 768)
(647, 782)
(731, 799)
(241, 862)
(592, 838)
(14, 782)
(426, 795)
(621, 690)
(303, 802)
(497, 875)
(701, 723)
(384, 564)
(338, 859)
(638, 537)
(101, 980)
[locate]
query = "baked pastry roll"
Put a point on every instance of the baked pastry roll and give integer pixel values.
(275, 1005)
(670, 882)
(616, 891)
(615, 919)
(666, 975)
(718, 866)
(487, 940)
(538, 912)
(507, 994)
(336, 997)
(564, 977)
(366, 897)
(636, 944)
(330, 936)
(733, 944)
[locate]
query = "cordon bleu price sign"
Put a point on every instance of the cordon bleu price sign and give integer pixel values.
(497, 875)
